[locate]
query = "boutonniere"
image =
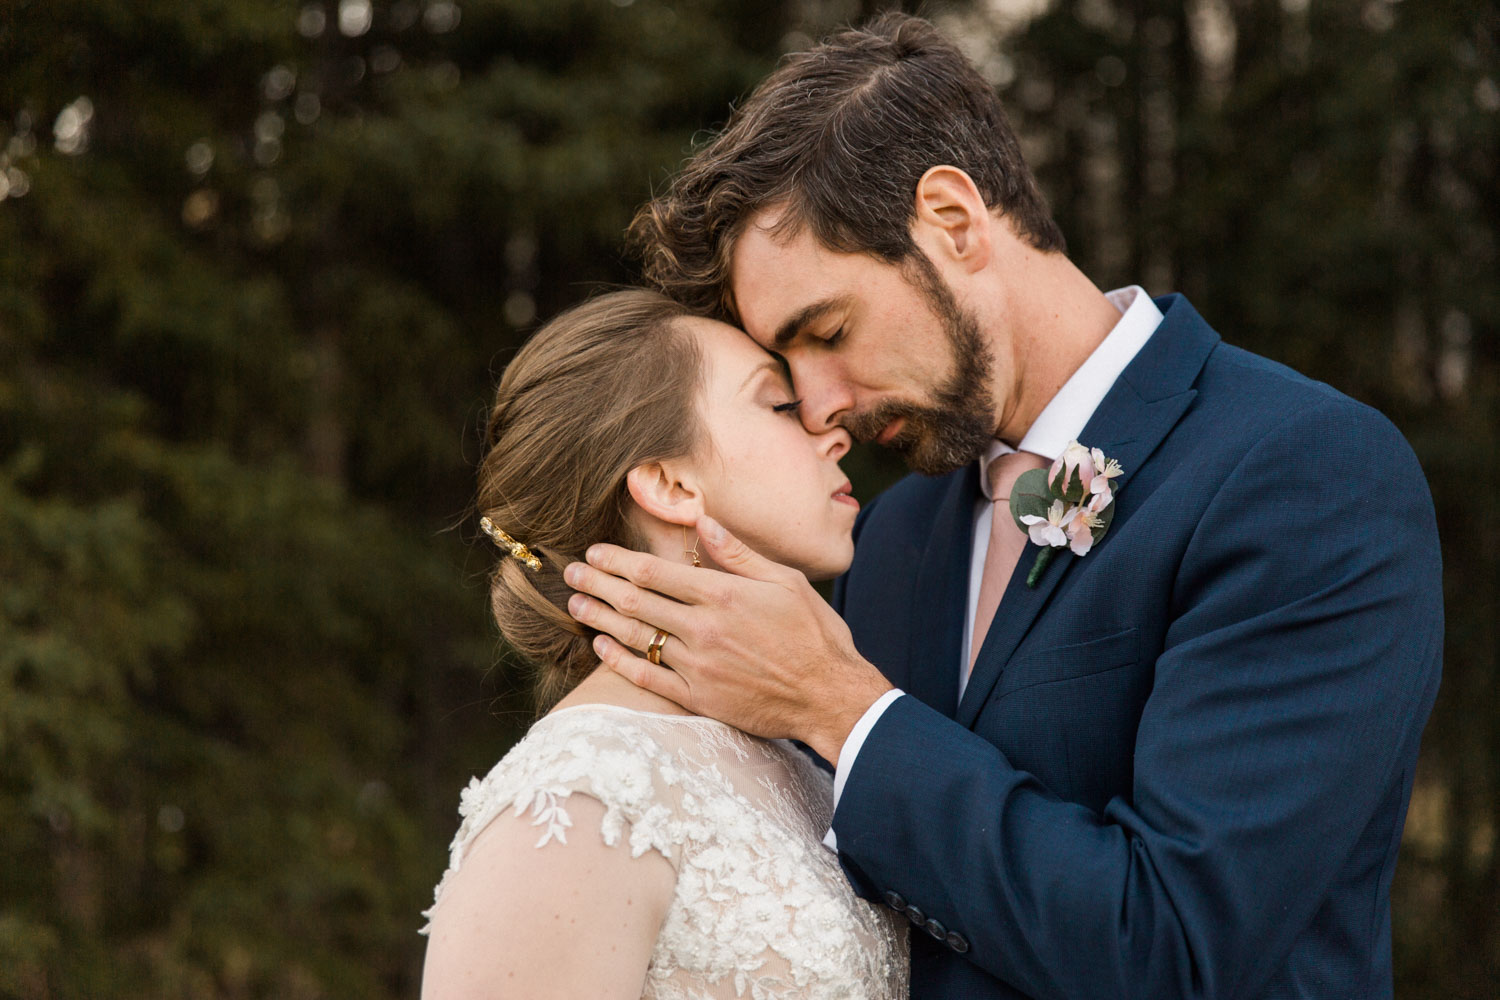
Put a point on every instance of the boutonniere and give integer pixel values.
(1069, 505)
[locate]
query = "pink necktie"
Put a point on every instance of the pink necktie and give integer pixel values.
(1007, 541)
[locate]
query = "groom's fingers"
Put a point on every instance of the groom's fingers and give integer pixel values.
(636, 670)
(631, 601)
(679, 581)
(738, 558)
(600, 616)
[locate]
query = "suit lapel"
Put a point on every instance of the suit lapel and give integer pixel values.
(1136, 415)
(941, 598)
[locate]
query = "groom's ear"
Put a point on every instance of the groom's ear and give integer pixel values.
(663, 491)
(952, 220)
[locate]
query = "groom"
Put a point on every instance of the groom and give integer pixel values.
(1176, 766)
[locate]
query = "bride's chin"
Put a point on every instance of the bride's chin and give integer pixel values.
(816, 562)
(832, 566)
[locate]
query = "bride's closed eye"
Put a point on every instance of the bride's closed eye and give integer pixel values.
(791, 407)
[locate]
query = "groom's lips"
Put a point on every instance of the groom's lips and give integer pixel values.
(890, 431)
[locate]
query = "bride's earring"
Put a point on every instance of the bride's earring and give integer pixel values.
(691, 553)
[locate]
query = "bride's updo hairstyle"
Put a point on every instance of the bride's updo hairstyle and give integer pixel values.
(604, 387)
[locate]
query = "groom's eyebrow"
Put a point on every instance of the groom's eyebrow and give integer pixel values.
(787, 332)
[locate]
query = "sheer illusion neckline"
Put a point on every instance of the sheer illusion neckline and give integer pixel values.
(668, 716)
(759, 905)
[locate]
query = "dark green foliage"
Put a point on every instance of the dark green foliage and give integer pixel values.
(247, 328)
(252, 296)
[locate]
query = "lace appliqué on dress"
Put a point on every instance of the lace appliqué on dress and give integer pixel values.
(761, 910)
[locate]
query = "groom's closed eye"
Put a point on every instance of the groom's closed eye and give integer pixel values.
(804, 318)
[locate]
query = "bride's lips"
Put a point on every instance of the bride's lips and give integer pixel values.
(891, 430)
(844, 494)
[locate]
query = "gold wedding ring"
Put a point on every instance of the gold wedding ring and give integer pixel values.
(653, 649)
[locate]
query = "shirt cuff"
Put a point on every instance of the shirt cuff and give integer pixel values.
(851, 748)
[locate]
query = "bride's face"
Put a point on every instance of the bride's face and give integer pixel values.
(776, 487)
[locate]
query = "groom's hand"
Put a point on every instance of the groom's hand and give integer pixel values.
(755, 646)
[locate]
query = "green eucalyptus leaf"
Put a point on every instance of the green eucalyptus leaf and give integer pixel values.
(1030, 496)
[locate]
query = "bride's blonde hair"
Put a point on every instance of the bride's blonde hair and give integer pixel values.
(604, 387)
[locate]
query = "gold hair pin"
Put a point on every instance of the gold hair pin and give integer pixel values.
(515, 548)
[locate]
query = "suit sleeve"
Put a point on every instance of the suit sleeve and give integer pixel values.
(1299, 665)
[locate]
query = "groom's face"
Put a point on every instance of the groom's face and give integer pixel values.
(885, 351)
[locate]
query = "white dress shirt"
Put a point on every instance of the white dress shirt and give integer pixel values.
(1059, 424)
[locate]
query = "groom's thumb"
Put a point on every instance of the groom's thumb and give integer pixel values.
(731, 554)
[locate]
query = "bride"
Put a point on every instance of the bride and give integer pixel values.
(625, 848)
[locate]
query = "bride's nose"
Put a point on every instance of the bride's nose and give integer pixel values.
(834, 443)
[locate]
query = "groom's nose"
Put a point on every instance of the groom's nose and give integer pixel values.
(825, 401)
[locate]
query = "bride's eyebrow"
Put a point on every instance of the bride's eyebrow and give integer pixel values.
(772, 365)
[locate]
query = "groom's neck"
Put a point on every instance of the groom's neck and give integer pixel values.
(1051, 317)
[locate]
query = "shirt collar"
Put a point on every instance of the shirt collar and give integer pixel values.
(1064, 418)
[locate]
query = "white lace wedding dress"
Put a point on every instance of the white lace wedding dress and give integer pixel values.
(761, 909)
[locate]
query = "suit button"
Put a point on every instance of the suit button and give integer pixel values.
(895, 901)
(917, 916)
(957, 942)
(937, 930)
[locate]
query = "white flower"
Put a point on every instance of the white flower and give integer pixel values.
(1050, 531)
(632, 778)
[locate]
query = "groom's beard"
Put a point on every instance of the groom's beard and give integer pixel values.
(955, 426)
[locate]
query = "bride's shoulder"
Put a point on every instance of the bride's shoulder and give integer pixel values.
(590, 774)
(599, 751)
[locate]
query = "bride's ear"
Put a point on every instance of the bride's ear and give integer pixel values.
(661, 491)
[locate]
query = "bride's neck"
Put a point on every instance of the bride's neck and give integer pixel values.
(605, 687)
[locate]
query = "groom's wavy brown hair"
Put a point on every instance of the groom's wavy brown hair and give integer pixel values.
(838, 137)
(606, 386)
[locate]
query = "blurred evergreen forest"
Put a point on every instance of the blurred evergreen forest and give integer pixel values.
(261, 260)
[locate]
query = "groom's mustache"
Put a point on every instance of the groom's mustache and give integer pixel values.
(865, 427)
(935, 436)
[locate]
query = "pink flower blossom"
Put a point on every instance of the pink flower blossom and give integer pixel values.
(1080, 535)
(1081, 482)
(1104, 471)
(1075, 458)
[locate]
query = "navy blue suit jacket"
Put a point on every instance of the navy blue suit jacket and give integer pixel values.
(1182, 762)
